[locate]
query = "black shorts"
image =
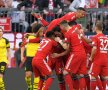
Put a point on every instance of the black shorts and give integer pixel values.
(2, 67)
(28, 64)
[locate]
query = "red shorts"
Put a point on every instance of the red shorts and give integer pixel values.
(41, 68)
(99, 67)
(56, 64)
(76, 63)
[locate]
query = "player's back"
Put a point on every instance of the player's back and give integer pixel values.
(46, 46)
(31, 48)
(101, 42)
(75, 41)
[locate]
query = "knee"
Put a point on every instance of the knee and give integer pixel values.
(1, 75)
(28, 74)
(49, 76)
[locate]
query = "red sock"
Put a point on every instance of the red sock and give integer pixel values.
(68, 81)
(87, 79)
(48, 83)
(76, 84)
(99, 84)
(82, 84)
(62, 86)
(40, 85)
(104, 84)
(93, 85)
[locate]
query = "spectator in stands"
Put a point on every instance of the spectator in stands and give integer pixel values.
(15, 3)
(2, 3)
(54, 4)
(8, 3)
(22, 17)
(75, 4)
(26, 3)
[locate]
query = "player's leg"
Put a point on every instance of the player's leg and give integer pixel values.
(68, 79)
(47, 72)
(95, 70)
(104, 82)
(59, 72)
(2, 71)
(69, 68)
(28, 72)
(61, 81)
(75, 82)
(104, 75)
(87, 80)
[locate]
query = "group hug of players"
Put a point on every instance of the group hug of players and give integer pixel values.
(61, 45)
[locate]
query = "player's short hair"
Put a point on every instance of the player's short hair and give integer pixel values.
(36, 28)
(71, 23)
(64, 22)
(81, 8)
(56, 28)
(20, 44)
(99, 25)
(49, 34)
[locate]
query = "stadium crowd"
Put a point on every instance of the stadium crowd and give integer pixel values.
(50, 9)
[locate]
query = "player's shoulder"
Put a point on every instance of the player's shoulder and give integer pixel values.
(5, 39)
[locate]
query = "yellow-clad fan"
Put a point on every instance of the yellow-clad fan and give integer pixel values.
(31, 49)
(4, 57)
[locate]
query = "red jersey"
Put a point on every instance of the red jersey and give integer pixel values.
(54, 23)
(74, 40)
(46, 46)
(101, 42)
(71, 16)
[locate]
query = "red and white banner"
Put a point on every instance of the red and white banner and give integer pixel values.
(5, 23)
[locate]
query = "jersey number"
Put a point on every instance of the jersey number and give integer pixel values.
(43, 44)
(104, 44)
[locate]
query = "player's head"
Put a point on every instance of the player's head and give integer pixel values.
(20, 44)
(38, 29)
(99, 26)
(1, 32)
(81, 12)
(57, 31)
(50, 34)
(64, 24)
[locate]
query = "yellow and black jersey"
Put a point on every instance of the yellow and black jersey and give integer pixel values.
(31, 48)
(4, 44)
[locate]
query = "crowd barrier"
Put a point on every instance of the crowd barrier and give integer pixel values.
(16, 25)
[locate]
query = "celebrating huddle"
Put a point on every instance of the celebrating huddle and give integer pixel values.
(63, 47)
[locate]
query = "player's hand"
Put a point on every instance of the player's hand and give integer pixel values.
(55, 55)
(57, 39)
(26, 35)
(36, 15)
(24, 42)
(22, 59)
